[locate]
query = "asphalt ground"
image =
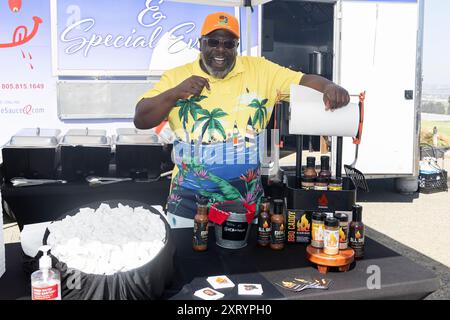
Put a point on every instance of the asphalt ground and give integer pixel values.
(416, 226)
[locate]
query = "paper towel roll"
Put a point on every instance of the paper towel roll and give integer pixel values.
(309, 117)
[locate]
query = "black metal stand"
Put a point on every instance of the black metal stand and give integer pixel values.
(298, 162)
(339, 157)
(318, 200)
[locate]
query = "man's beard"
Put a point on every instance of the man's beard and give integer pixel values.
(216, 74)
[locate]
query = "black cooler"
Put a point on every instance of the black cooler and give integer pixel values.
(32, 153)
(139, 153)
(85, 153)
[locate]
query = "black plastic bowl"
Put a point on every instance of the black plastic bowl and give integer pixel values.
(144, 283)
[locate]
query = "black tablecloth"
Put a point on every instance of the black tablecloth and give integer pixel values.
(400, 277)
(14, 284)
(48, 202)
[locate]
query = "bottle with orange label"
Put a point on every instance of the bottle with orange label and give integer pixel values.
(356, 232)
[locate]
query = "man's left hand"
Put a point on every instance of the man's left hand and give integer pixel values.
(335, 97)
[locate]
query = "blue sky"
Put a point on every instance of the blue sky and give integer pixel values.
(436, 54)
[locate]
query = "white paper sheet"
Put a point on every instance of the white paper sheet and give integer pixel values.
(31, 238)
(308, 115)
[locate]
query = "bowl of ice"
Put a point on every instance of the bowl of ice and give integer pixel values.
(118, 249)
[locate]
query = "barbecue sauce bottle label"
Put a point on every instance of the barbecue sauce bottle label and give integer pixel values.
(264, 230)
(356, 241)
(278, 233)
(357, 232)
(317, 232)
(200, 234)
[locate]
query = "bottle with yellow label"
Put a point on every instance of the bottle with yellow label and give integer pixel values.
(343, 230)
(335, 184)
(317, 229)
(331, 236)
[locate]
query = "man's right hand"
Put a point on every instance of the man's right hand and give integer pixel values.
(151, 111)
(192, 86)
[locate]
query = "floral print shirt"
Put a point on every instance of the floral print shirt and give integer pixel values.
(218, 134)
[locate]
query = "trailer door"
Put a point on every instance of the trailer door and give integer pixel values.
(377, 54)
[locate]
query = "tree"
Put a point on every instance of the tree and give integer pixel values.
(434, 107)
(189, 106)
(260, 113)
(210, 122)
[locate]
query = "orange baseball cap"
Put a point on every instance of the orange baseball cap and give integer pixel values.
(220, 20)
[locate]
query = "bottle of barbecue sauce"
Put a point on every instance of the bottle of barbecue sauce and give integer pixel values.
(200, 238)
(264, 223)
(357, 232)
(278, 228)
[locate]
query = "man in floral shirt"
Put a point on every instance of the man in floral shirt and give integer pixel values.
(217, 107)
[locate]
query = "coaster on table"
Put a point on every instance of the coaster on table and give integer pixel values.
(208, 294)
(250, 289)
(220, 282)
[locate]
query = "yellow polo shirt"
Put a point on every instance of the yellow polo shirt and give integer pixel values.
(234, 111)
(246, 95)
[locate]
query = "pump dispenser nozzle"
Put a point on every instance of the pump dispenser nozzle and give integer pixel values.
(45, 262)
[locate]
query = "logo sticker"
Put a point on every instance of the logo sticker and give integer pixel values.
(223, 20)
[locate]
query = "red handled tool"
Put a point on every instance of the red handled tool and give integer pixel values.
(354, 174)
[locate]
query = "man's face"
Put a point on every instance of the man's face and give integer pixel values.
(218, 52)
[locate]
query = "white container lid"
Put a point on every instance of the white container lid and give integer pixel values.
(86, 132)
(133, 136)
(35, 137)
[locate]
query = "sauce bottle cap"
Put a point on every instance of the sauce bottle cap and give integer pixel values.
(319, 216)
(357, 213)
(202, 201)
(278, 206)
(331, 222)
(311, 162)
(335, 180)
(341, 217)
(322, 180)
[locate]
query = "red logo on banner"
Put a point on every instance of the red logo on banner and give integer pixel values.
(21, 35)
(15, 5)
(323, 201)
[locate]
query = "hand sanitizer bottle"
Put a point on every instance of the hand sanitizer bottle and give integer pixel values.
(45, 282)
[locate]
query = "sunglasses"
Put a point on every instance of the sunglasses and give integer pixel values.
(228, 44)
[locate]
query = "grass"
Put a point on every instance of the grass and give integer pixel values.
(443, 128)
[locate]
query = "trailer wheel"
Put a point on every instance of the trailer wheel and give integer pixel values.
(406, 185)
